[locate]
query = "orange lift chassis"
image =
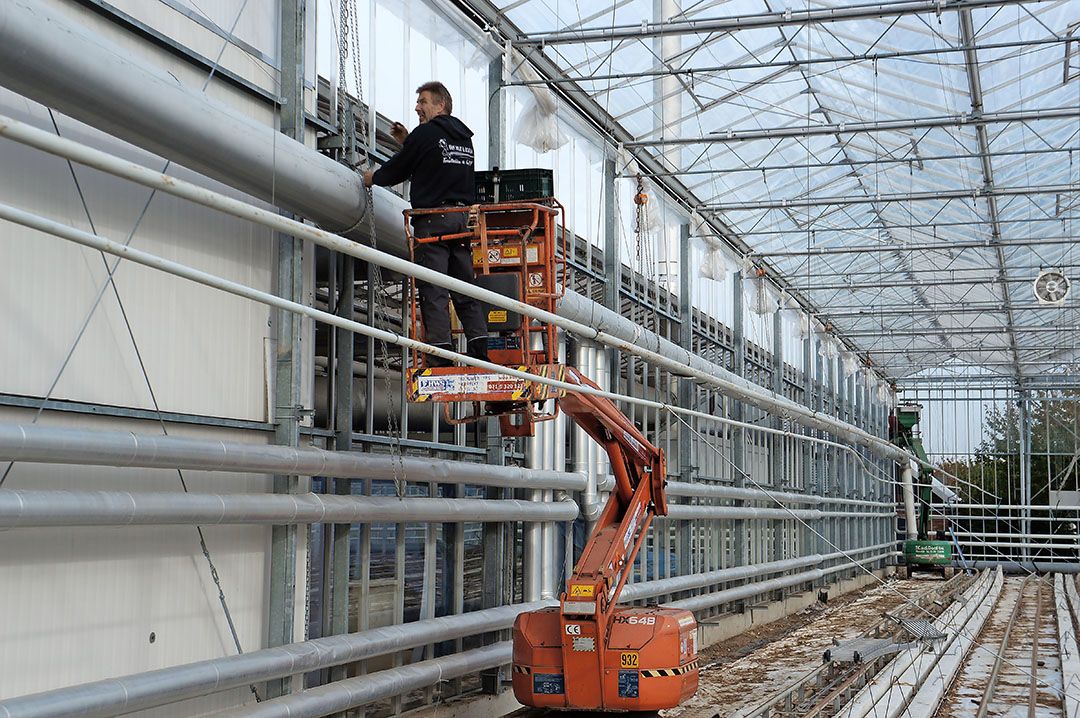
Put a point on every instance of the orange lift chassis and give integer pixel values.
(588, 653)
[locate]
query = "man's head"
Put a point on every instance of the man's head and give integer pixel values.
(433, 99)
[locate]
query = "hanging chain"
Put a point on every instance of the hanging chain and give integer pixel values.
(378, 310)
(643, 249)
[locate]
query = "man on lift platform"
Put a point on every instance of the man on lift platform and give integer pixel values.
(437, 157)
(589, 652)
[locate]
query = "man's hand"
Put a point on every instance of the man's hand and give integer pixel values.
(368, 174)
(399, 132)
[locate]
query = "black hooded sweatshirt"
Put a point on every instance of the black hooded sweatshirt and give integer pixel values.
(438, 157)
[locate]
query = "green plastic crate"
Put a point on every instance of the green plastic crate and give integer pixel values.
(514, 185)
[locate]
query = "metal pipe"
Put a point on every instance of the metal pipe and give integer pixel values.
(700, 72)
(781, 18)
(708, 600)
(681, 361)
(980, 119)
(650, 589)
(150, 260)
(340, 696)
(631, 337)
(876, 226)
(686, 512)
(682, 488)
(965, 278)
(1068, 647)
(584, 447)
(55, 44)
(46, 56)
(942, 245)
(60, 445)
(139, 691)
(125, 508)
(908, 491)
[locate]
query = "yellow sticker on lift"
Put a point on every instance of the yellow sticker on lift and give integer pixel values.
(628, 659)
(581, 590)
(496, 316)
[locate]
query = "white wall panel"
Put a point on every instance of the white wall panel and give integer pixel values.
(80, 603)
(257, 27)
(203, 349)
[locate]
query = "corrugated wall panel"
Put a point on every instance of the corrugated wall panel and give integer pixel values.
(81, 603)
(203, 349)
(251, 52)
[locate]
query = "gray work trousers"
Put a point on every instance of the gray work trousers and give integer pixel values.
(452, 257)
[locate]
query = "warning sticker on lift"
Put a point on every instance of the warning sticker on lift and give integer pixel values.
(628, 684)
(499, 256)
(552, 683)
(468, 384)
(582, 590)
(536, 279)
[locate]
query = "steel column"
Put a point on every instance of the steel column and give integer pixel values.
(687, 394)
(288, 359)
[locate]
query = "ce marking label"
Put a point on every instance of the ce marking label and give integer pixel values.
(573, 629)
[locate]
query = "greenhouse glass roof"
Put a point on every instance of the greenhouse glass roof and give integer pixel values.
(906, 169)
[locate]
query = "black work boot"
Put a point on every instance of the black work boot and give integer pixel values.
(434, 362)
(477, 348)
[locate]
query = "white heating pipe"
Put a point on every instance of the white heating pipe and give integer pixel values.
(127, 252)
(59, 445)
(340, 696)
(708, 600)
(23, 508)
(663, 586)
(139, 691)
(682, 488)
(686, 512)
(909, 502)
(1068, 646)
(50, 58)
(606, 326)
(585, 449)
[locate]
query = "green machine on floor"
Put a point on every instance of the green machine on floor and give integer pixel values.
(920, 553)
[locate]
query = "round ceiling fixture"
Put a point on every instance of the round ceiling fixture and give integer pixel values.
(1051, 287)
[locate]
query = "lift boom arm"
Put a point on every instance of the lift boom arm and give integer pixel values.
(640, 473)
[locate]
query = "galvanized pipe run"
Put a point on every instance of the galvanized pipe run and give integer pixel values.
(689, 365)
(709, 600)
(340, 696)
(664, 586)
(576, 314)
(51, 59)
(124, 508)
(139, 691)
(686, 512)
(59, 445)
(735, 23)
(625, 334)
(683, 488)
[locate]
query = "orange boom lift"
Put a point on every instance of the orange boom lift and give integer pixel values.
(587, 653)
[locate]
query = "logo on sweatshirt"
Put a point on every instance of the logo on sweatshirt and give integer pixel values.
(455, 154)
